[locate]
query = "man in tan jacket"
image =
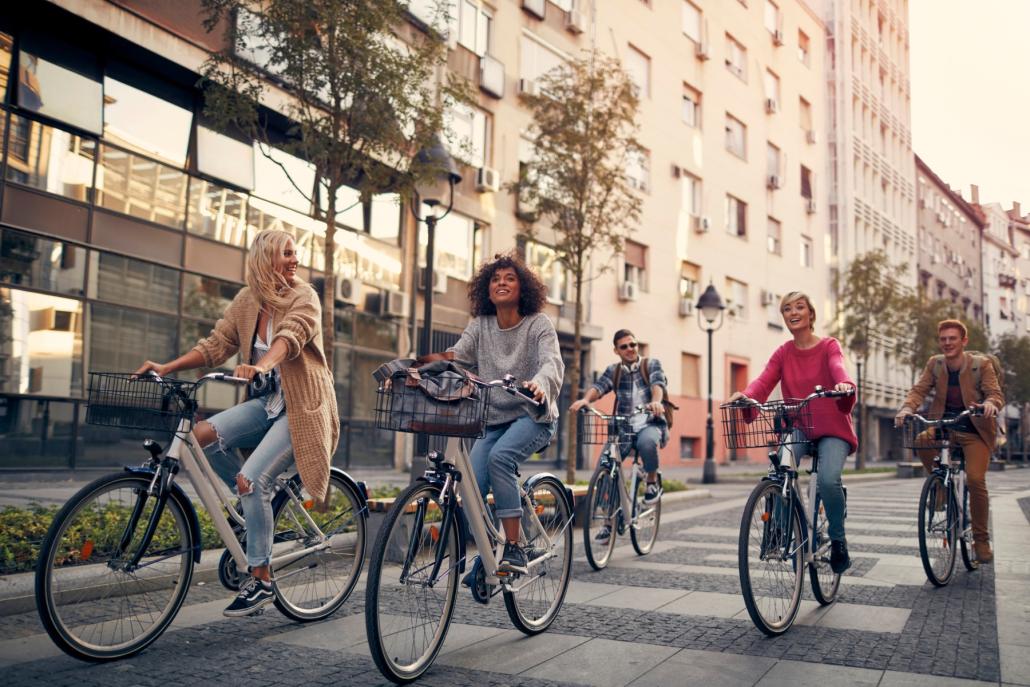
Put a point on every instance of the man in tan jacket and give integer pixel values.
(960, 380)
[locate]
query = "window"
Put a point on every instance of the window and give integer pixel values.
(139, 121)
(39, 263)
(737, 302)
(638, 169)
(140, 187)
(773, 166)
(806, 114)
(691, 106)
(60, 93)
(205, 297)
(469, 129)
(535, 59)
(384, 218)
(736, 136)
(804, 48)
(691, 21)
(545, 261)
(736, 58)
(283, 178)
(771, 17)
(690, 277)
(806, 251)
(225, 158)
(41, 344)
(453, 245)
(635, 264)
(6, 50)
(690, 188)
(688, 448)
(49, 159)
(771, 82)
(218, 213)
(125, 281)
(638, 65)
(736, 216)
(473, 27)
(153, 337)
(775, 237)
(432, 13)
(690, 375)
(806, 183)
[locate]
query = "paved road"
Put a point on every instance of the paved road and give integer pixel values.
(674, 617)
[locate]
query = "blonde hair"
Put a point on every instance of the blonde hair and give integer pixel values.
(800, 295)
(268, 285)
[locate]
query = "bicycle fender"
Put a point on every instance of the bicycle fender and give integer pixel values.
(359, 488)
(187, 507)
(531, 483)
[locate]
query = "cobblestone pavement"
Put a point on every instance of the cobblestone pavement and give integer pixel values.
(673, 617)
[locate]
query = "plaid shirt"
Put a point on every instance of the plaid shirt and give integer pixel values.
(634, 381)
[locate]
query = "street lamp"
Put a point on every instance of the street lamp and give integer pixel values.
(860, 347)
(710, 307)
(436, 186)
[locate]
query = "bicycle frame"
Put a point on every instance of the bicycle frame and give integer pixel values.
(626, 504)
(955, 481)
(786, 471)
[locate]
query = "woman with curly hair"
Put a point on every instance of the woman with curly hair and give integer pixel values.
(508, 334)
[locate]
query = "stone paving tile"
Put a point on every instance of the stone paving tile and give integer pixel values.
(1024, 504)
(859, 566)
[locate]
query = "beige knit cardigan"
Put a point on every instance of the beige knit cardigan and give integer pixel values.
(307, 382)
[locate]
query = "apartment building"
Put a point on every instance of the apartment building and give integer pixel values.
(873, 177)
(950, 245)
(1001, 256)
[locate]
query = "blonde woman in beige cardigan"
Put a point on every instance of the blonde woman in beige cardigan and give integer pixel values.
(275, 325)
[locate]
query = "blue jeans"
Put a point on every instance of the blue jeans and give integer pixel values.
(647, 443)
(247, 426)
(496, 458)
(832, 454)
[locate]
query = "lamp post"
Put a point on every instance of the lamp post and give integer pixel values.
(860, 347)
(710, 307)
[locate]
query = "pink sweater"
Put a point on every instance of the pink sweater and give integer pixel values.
(798, 372)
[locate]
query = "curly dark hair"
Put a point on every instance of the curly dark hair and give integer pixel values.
(532, 292)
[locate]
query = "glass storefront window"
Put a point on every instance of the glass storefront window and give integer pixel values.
(206, 297)
(37, 433)
(49, 159)
(145, 123)
(60, 93)
(27, 260)
(223, 157)
(120, 339)
(218, 213)
(140, 187)
(372, 262)
(116, 279)
(375, 332)
(40, 344)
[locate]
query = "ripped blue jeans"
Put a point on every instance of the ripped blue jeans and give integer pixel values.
(247, 426)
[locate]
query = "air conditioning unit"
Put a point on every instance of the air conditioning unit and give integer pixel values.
(627, 291)
(347, 291)
(393, 303)
(810, 206)
(768, 297)
(439, 280)
(777, 37)
(771, 106)
(810, 136)
(534, 7)
(686, 307)
(772, 181)
(574, 21)
(528, 87)
(701, 224)
(488, 180)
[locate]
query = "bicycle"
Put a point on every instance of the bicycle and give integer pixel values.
(781, 532)
(116, 564)
(941, 521)
(607, 496)
(420, 551)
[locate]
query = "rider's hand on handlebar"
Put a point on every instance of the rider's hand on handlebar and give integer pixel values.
(655, 409)
(248, 372)
(157, 368)
(738, 396)
(581, 403)
(899, 419)
(844, 386)
(988, 409)
(538, 393)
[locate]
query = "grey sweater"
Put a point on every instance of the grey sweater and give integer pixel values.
(528, 351)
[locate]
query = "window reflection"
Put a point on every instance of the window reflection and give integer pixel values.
(206, 297)
(27, 260)
(452, 246)
(283, 178)
(6, 48)
(120, 339)
(138, 186)
(263, 215)
(385, 220)
(143, 122)
(372, 262)
(49, 159)
(126, 281)
(225, 158)
(218, 213)
(37, 433)
(60, 93)
(40, 344)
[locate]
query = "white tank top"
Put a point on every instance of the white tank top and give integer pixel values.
(274, 403)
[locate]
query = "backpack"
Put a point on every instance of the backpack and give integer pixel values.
(979, 359)
(668, 405)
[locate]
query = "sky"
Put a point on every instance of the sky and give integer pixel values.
(970, 73)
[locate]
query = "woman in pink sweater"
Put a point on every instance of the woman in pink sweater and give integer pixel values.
(799, 366)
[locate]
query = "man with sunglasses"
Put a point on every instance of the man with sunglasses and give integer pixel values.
(635, 386)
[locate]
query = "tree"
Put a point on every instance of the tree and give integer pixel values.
(584, 134)
(361, 97)
(923, 316)
(1014, 353)
(871, 304)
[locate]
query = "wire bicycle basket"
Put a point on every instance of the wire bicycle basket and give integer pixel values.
(129, 402)
(402, 407)
(596, 430)
(746, 425)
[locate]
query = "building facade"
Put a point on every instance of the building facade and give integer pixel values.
(1001, 278)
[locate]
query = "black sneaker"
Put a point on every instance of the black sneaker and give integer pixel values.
(652, 494)
(839, 559)
(603, 535)
(514, 559)
(253, 595)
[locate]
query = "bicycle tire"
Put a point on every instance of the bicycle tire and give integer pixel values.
(386, 595)
(644, 537)
(825, 583)
(534, 607)
(768, 616)
(88, 620)
(602, 502)
(938, 530)
(968, 555)
(315, 586)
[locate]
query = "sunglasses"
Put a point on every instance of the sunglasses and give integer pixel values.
(623, 347)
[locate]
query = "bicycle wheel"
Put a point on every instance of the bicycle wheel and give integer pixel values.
(968, 555)
(313, 586)
(825, 582)
(406, 612)
(93, 604)
(538, 596)
(771, 559)
(938, 530)
(602, 502)
(643, 531)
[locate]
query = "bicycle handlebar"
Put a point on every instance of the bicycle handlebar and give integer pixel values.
(642, 408)
(512, 386)
(948, 421)
(211, 376)
(800, 403)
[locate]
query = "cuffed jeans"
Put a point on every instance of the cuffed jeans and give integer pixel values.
(496, 458)
(247, 426)
(832, 454)
(648, 440)
(977, 457)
